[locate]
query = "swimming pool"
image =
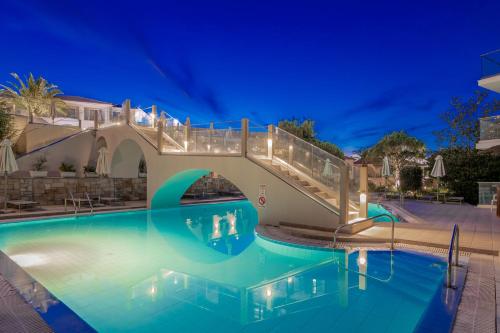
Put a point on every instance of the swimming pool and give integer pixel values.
(203, 269)
(376, 209)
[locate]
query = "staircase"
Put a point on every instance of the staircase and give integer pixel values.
(303, 181)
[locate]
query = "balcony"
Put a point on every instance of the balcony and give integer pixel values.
(489, 135)
(490, 65)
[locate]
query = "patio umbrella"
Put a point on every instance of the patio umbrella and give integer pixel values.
(102, 166)
(327, 170)
(7, 164)
(386, 169)
(438, 171)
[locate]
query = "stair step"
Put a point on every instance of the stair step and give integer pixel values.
(323, 195)
(312, 189)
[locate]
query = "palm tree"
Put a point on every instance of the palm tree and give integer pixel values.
(36, 95)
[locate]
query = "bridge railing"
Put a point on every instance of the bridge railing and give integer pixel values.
(328, 172)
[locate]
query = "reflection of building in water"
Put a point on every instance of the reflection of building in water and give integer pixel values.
(229, 233)
(303, 290)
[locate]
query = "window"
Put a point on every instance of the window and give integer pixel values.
(71, 112)
(89, 114)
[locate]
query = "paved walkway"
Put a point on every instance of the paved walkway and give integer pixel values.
(479, 227)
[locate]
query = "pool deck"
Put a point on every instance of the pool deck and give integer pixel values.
(59, 210)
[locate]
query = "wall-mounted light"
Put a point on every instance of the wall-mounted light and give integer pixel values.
(362, 198)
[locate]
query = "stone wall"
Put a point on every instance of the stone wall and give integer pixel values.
(50, 191)
(213, 184)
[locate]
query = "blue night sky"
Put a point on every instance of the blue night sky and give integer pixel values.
(360, 69)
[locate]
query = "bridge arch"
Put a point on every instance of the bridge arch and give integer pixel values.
(126, 159)
(171, 191)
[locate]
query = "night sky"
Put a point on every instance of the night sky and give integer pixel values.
(360, 69)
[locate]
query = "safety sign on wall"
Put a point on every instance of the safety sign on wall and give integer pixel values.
(262, 198)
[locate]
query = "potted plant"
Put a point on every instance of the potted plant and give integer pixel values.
(38, 167)
(67, 170)
(89, 171)
(143, 171)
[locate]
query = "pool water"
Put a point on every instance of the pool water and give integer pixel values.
(203, 269)
(376, 209)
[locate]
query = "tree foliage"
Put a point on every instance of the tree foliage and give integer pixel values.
(7, 129)
(36, 95)
(411, 178)
(401, 149)
(461, 120)
(305, 130)
(465, 167)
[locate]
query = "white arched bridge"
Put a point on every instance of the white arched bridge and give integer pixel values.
(287, 179)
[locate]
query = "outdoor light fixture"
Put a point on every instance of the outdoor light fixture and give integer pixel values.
(269, 292)
(185, 145)
(152, 120)
(362, 198)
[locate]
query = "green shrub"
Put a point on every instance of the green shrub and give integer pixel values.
(67, 167)
(411, 179)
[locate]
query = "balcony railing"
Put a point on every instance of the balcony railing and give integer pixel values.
(490, 64)
(489, 128)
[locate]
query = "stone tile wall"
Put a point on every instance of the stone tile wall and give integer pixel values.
(50, 191)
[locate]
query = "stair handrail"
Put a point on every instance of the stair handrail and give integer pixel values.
(393, 221)
(454, 248)
(90, 203)
(334, 158)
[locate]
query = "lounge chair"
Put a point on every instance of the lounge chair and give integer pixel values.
(111, 201)
(454, 200)
(427, 197)
(21, 204)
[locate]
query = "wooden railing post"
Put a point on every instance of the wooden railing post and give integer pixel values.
(244, 136)
(159, 136)
(270, 143)
(154, 116)
(363, 190)
(344, 194)
(187, 133)
(126, 111)
(96, 119)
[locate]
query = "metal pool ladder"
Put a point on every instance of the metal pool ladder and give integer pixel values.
(454, 248)
(73, 200)
(367, 219)
(90, 204)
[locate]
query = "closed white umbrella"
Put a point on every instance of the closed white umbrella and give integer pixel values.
(7, 164)
(102, 167)
(386, 169)
(438, 171)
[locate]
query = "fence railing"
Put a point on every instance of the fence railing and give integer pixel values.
(490, 63)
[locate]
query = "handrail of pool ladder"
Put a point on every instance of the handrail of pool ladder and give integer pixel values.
(73, 200)
(455, 236)
(367, 219)
(90, 204)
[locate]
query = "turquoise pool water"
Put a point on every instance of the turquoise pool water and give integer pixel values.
(203, 269)
(375, 209)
